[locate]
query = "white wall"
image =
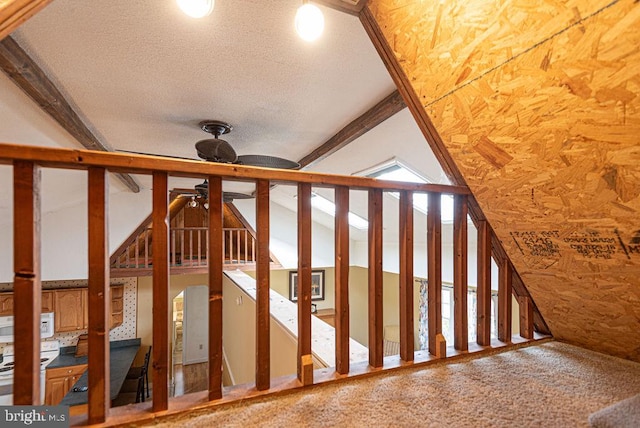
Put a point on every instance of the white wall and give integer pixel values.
(195, 332)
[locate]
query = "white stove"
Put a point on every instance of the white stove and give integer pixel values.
(49, 350)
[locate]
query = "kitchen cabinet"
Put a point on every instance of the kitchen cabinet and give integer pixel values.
(117, 306)
(6, 302)
(59, 381)
(71, 307)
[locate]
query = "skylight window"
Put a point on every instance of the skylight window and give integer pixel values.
(397, 171)
(326, 206)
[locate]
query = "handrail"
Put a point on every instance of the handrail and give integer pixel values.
(26, 162)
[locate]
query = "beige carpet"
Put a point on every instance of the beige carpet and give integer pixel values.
(548, 385)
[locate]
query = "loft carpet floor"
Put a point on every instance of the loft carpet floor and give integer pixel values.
(548, 385)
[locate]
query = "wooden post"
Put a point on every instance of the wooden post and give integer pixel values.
(304, 284)
(342, 279)
(484, 284)
(27, 289)
(406, 275)
(263, 364)
(376, 340)
(215, 257)
(504, 301)
(526, 317)
(99, 296)
(160, 291)
(434, 272)
(460, 323)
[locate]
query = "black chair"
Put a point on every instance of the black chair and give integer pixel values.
(141, 373)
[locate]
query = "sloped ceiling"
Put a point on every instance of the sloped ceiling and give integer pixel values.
(536, 103)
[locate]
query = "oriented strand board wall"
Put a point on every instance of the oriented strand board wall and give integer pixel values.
(537, 103)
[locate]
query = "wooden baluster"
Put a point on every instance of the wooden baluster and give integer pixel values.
(460, 286)
(199, 249)
(526, 317)
(27, 289)
(146, 247)
(160, 292)
(305, 365)
(504, 301)
(173, 245)
(246, 243)
(238, 247)
(406, 275)
(182, 235)
(434, 273)
(376, 339)
(231, 245)
(191, 247)
(137, 250)
(342, 279)
(263, 363)
(484, 284)
(98, 296)
(215, 287)
(225, 233)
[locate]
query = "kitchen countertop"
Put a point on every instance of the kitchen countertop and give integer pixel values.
(122, 353)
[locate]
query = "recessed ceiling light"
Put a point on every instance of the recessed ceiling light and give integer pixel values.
(196, 8)
(309, 22)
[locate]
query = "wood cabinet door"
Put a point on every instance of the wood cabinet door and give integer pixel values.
(47, 301)
(85, 308)
(55, 391)
(70, 310)
(59, 382)
(6, 304)
(117, 305)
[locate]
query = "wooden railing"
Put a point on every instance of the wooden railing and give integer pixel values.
(26, 188)
(189, 247)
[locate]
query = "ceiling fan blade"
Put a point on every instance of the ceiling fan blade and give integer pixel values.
(154, 154)
(266, 161)
(216, 150)
(202, 189)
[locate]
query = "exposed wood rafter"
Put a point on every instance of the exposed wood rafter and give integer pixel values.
(351, 7)
(19, 66)
(14, 12)
(377, 114)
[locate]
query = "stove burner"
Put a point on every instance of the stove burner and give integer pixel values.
(5, 369)
(42, 360)
(9, 364)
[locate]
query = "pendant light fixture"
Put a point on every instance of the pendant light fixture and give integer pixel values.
(196, 8)
(309, 21)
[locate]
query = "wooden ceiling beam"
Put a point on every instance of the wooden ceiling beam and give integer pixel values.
(23, 70)
(345, 6)
(14, 12)
(377, 114)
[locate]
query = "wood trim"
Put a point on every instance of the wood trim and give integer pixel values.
(342, 279)
(377, 114)
(343, 6)
(27, 288)
(504, 301)
(145, 164)
(304, 280)
(460, 285)
(160, 245)
(216, 255)
(14, 13)
(376, 338)
(484, 284)
(263, 316)
(29, 77)
(434, 272)
(526, 317)
(406, 276)
(98, 296)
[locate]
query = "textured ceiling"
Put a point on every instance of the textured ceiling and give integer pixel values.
(537, 105)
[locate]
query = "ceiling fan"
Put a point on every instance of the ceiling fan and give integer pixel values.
(220, 151)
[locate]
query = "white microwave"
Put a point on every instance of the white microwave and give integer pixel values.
(6, 327)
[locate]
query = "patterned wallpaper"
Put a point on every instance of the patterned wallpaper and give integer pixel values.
(128, 328)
